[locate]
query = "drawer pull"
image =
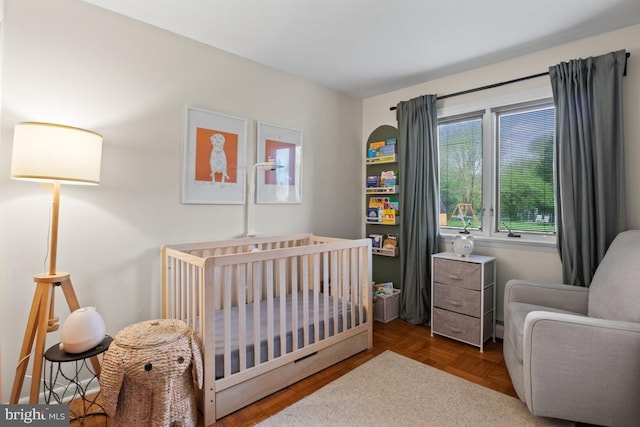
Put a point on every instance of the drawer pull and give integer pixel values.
(455, 303)
(454, 277)
(455, 329)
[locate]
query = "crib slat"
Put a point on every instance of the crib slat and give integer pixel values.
(282, 282)
(305, 300)
(227, 320)
(269, 282)
(180, 290)
(189, 295)
(327, 291)
(186, 291)
(202, 309)
(294, 304)
(167, 292)
(345, 287)
(353, 298)
(316, 297)
(242, 315)
(362, 285)
(334, 289)
(176, 290)
(256, 272)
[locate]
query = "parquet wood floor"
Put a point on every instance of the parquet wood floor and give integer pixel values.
(487, 369)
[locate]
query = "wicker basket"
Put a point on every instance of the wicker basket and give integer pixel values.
(148, 375)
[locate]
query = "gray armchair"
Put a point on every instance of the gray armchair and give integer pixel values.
(574, 353)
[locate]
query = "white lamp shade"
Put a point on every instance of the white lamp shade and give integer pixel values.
(83, 330)
(56, 153)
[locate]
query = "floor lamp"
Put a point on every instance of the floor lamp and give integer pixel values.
(269, 165)
(56, 154)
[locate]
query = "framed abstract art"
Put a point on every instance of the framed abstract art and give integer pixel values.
(284, 146)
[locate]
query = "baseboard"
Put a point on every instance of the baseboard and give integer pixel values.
(499, 331)
(70, 393)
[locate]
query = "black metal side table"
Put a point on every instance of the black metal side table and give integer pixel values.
(78, 381)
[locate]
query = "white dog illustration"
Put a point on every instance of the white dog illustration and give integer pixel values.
(218, 159)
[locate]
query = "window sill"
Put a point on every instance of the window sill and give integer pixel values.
(533, 243)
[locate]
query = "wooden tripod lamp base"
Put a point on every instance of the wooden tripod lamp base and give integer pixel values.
(40, 322)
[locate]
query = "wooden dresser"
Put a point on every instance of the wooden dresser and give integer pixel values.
(463, 297)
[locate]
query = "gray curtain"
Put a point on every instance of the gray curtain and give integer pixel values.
(590, 185)
(419, 195)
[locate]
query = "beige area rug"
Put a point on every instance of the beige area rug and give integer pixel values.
(393, 390)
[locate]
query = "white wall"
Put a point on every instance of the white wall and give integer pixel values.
(514, 261)
(73, 63)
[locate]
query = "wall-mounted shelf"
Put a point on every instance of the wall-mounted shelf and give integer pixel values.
(392, 189)
(383, 221)
(393, 252)
(381, 159)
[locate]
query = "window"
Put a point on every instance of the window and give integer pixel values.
(525, 141)
(460, 143)
(497, 171)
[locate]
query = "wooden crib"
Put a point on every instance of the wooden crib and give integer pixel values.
(270, 311)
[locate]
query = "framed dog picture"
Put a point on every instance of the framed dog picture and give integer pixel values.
(214, 158)
(282, 145)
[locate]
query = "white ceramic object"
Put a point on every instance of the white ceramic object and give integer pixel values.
(82, 330)
(463, 245)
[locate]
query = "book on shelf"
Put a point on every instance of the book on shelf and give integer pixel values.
(389, 216)
(373, 214)
(388, 178)
(393, 203)
(390, 241)
(376, 145)
(376, 240)
(387, 150)
(386, 202)
(379, 202)
(373, 181)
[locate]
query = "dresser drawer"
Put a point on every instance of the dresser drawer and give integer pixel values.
(458, 273)
(456, 299)
(457, 326)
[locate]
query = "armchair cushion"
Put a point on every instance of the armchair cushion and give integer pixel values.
(614, 292)
(517, 313)
(563, 297)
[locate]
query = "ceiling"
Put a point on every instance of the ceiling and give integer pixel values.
(368, 47)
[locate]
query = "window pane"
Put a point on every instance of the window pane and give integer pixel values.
(461, 173)
(527, 200)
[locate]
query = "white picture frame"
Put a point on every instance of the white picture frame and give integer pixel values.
(214, 166)
(284, 145)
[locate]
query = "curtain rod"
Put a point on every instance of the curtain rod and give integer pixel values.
(491, 86)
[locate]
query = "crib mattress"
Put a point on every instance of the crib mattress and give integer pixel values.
(263, 355)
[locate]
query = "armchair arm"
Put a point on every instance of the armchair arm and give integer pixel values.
(581, 368)
(563, 297)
